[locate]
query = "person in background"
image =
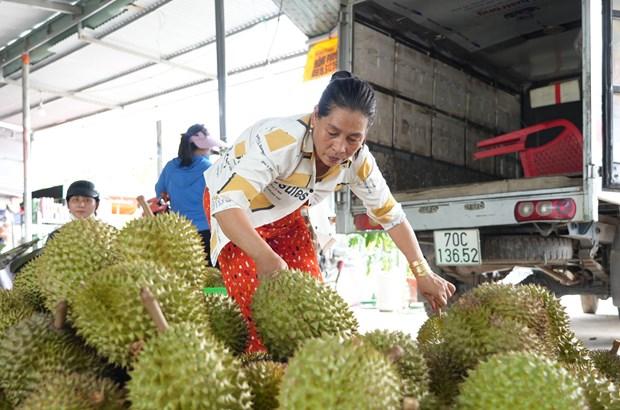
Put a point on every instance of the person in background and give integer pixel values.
(182, 182)
(82, 199)
(257, 188)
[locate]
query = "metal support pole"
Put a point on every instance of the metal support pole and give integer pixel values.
(344, 218)
(160, 163)
(220, 40)
(345, 34)
(27, 221)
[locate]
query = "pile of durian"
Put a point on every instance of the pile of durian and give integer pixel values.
(108, 319)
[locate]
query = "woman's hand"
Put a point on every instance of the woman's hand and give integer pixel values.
(435, 289)
(268, 264)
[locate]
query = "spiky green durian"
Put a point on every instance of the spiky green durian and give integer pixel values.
(515, 303)
(411, 366)
(13, 308)
(33, 347)
(109, 313)
(358, 376)
(26, 282)
(292, 307)
(264, 378)
(226, 322)
(430, 331)
(470, 333)
(446, 370)
(74, 391)
(167, 239)
(600, 392)
(431, 402)
(474, 333)
(608, 363)
(251, 357)
(212, 278)
(520, 381)
(4, 402)
(79, 249)
(183, 368)
(570, 350)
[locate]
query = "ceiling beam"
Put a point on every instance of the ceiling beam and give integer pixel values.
(61, 93)
(50, 5)
(56, 27)
(135, 52)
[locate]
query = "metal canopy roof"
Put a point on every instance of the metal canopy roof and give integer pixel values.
(124, 53)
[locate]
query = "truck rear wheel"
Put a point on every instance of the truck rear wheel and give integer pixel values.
(527, 248)
(589, 303)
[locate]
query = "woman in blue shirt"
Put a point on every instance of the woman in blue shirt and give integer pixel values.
(182, 179)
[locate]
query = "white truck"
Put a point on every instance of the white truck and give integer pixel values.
(452, 74)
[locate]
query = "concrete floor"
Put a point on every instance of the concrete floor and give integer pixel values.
(596, 331)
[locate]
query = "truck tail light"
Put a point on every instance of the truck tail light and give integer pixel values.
(546, 210)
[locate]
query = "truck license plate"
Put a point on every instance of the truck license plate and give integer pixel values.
(460, 247)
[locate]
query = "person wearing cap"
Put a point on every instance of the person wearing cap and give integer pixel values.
(182, 182)
(82, 199)
(256, 190)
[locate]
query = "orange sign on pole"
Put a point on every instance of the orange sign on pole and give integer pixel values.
(322, 59)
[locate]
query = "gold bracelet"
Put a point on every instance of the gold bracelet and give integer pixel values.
(420, 268)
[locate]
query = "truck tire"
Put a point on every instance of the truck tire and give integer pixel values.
(589, 304)
(527, 248)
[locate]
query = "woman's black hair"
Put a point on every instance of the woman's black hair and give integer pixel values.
(347, 91)
(186, 150)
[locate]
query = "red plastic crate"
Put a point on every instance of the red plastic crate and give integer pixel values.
(561, 155)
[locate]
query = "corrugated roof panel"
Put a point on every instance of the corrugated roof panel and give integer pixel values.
(312, 17)
(185, 28)
(264, 41)
(84, 66)
(181, 23)
(143, 82)
(16, 18)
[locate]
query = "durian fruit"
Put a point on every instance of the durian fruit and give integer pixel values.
(183, 368)
(79, 249)
(251, 357)
(446, 371)
(264, 378)
(516, 303)
(13, 308)
(326, 373)
(471, 334)
(520, 381)
(431, 402)
(600, 392)
(212, 278)
(570, 350)
(33, 347)
(74, 391)
(167, 239)
(109, 314)
(4, 402)
(292, 307)
(608, 363)
(430, 331)
(226, 322)
(411, 366)
(26, 283)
